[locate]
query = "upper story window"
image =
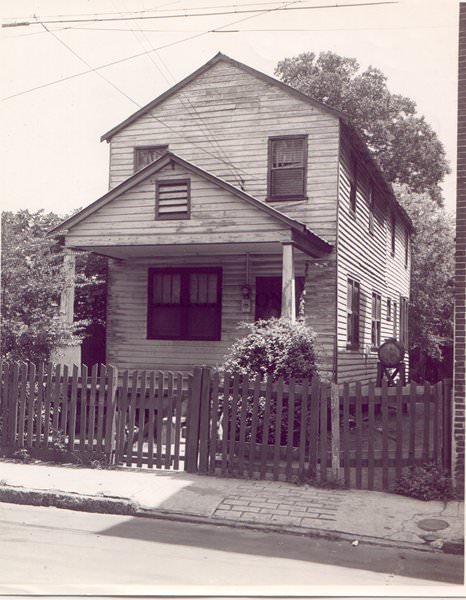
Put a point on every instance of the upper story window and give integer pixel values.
(353, 183)
(184, 304)
(173, 199)
(287, 167)
(353, 311)
(393, 233)
(371, 202)
(144, 155)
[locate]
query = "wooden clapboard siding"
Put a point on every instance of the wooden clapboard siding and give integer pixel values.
(130, 218)
(239, 111)
(127, 343)
(367, 258)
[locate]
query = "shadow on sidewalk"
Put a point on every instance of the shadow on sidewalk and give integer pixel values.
(409, 563)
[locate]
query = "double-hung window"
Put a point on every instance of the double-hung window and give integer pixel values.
(184, 304)
(353, 318)
(144, 155)
(376, 319)
(287, 167)
(404, 304)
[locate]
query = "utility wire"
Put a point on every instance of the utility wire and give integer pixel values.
(204, 14)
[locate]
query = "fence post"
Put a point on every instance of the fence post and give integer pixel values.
(192, 425)
(110, 417)
(447, 423)
(335, 421)
(204, 421)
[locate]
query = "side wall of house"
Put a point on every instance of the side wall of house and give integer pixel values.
(127, 343)
(222, 120)
(366, 257)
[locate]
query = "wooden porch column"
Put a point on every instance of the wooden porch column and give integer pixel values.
(288, 282)
(67, 294)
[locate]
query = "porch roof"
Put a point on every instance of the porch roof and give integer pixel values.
(300, 234)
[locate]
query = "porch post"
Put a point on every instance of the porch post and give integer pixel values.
(67, 294)
(288, 282)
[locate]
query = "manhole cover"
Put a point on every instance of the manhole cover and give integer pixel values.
(433, 524)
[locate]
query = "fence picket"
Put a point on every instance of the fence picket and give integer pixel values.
(323, 431)
(213, 421)
(169, 422)
(47, 404)
(426, 437)
(225, 421)
(303, 428)
(153, 406)
(64, 403)
(110, 414)
(204, 415)
(346, 448)
(371, 436)
(23, 383)
(399, 427)
(358, 417)
(412, 422)
(122, 405)
(159, 417)
(56, 401)
(232, 428)
(84, 415)
(437, 429)
(73, 407)
(312, 411)
(178, 410)
(31, 401)
(254, 420)
(100, 407)
(266, 424)
(5, 402)
(290, 430)
(91, 419)
(141, 419)
(278, 429)
(132, 419)
(242, 425)
(384, 435)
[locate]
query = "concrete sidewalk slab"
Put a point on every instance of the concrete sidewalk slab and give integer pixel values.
(351, 514)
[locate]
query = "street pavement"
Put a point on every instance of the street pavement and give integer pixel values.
(353, 515)
(52, 551)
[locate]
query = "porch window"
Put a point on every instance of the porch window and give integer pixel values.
(287, 167)
(184, 304)
(144, 155)
(376, 318)
(173, 199)
(353, 307)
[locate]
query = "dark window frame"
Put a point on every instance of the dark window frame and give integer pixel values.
(289, 197)
(185, 304)
(389, 309)
(149, 147)
(353, 319)
(406, 248)
(395, 319)
(404, 308)
(376, 320)
(174, 215)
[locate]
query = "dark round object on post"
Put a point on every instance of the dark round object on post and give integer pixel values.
(391, 353)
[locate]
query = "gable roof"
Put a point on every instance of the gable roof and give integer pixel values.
(170, 158)
(219, 57)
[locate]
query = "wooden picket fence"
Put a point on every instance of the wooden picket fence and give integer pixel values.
(222, 424)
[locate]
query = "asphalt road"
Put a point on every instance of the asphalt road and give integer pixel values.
(55, 551)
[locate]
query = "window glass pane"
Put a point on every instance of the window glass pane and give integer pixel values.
(166, 321)
(202, 322)
(287, 182)
(203, 288)
(288, 153)
(167, 288)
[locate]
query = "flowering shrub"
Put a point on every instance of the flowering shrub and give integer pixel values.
(425, 482)
(275, 347)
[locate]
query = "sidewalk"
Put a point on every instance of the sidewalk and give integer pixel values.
(373, 517)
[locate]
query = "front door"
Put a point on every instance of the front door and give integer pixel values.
(269, 296)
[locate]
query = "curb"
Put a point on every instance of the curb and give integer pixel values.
(120, 506)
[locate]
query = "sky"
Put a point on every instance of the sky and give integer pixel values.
(51, 153)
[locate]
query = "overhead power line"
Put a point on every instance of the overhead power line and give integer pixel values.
(198, 14)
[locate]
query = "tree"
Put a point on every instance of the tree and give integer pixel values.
(432, 272)
(32, 279)
(402, 142)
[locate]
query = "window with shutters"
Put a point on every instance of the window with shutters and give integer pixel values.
(144, 155)
(173, 199)
(184, 304)
(287, 167)
(376, 318)
(353, 318)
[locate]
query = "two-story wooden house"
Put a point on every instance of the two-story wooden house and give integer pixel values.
(230, 194)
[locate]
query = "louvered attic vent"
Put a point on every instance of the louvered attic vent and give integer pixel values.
(172, 199)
